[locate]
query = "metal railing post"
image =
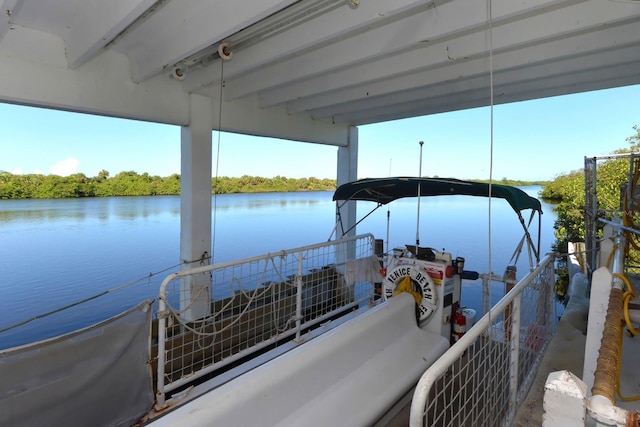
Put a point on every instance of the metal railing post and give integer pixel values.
(548, 288)
(452, 370)
(299, 297)
(302, 310)
(160, 397)
(514, 357)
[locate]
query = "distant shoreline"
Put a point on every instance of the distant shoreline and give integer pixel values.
(37, 186)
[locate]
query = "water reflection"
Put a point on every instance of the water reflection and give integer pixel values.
(266, 200)
(55, 252)
(50, 210)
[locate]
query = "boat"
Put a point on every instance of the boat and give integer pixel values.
(337, 332)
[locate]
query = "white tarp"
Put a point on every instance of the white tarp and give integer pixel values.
(98, 376)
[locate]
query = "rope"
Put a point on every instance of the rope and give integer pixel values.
(251, 296)
(626, 297)
(618, 369)
(605, 376)
(93, 297)
(611, 255)
(610, 358)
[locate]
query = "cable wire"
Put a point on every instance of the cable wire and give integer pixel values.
(491, 112)
(215, 188)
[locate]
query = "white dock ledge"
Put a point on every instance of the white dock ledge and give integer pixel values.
(343, 377)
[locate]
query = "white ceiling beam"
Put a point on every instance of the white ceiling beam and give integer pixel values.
(381, 73)
(441, 23)
(316, 73)
(181, 28)
(102, 86)
(96, 23)
(312, 34)
(478, 94)
(436, 106)
(8, 8)
(342, 20)
(244, 116)
(442, 54)
(522, 77)
(198, 78)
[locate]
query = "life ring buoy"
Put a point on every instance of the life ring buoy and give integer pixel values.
(416, 281)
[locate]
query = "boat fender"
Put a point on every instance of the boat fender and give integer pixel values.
(415, 281)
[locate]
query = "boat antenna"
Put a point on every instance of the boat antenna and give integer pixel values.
(419, 178)
(388, 212)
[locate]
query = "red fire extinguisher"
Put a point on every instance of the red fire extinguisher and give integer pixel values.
(459, 325)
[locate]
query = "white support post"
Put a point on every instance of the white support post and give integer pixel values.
(347, 171)
(195, 205)
(565, 399)
(599, 301)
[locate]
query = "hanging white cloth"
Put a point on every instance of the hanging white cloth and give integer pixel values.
(363, 270)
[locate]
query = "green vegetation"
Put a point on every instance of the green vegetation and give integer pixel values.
(130, 183)
(512, 182)
(256, 184)
(36, 186)
(568, 194)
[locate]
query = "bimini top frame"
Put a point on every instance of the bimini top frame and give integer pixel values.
(386, 190)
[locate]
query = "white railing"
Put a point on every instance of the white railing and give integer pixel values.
(483, 378)
(255, 303)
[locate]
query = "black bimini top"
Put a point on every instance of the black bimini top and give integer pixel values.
(386, 190)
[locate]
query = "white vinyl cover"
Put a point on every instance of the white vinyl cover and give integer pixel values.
(348, 376)
(98, 376)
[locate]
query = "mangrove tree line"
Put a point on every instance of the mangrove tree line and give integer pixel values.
(568, 192)
(130, 183)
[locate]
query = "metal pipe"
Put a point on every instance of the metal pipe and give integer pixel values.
(618, 225)
(617, 266)
(388, 216)
(604, 412)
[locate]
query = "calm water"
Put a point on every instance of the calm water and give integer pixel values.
(56, 252)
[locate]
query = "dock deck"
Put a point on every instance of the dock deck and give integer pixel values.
(565, 352)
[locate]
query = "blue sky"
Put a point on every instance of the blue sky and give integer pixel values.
(533, 140)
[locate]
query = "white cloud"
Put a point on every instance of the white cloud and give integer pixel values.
(65, 167)
(17, 171)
